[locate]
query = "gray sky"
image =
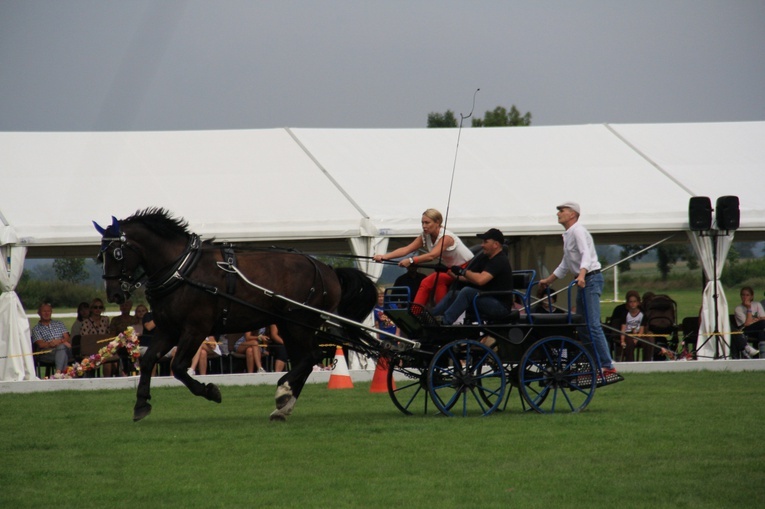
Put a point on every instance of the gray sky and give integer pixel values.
(173, 64)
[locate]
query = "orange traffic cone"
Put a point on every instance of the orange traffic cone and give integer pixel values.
(380, 379)
(340, 378)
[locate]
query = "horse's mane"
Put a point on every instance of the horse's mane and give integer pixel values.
(160, 221)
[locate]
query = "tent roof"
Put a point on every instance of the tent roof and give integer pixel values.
(288, 184)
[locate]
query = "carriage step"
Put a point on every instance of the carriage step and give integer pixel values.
(585, 381)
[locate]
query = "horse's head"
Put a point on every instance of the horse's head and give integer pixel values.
(123, 270)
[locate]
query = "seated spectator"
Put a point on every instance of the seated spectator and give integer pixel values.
(52, 335)
(121, 322)
(489, 271)
(83, 311)
(250, 346)
(95, 323)
(546, 302)
(276, 349)
(750, 318)
(140, 312)
(209, 348)
(633, 323)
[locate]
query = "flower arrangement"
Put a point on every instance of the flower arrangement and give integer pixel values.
(127, 340)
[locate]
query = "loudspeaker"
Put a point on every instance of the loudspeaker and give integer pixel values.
(700, 213)
(727, 213)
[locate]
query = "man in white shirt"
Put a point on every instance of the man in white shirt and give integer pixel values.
(580, 258)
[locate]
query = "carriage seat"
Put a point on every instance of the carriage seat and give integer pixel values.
(555, 319)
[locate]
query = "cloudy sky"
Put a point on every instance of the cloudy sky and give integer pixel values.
(175, 64)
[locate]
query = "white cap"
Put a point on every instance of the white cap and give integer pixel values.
(569, 205)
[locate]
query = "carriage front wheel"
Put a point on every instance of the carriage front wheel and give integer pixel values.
(556, 375)
(466, 378)
(408, 385)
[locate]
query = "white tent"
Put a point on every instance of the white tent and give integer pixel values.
(277, 185)
(15, 345)
(356, 189)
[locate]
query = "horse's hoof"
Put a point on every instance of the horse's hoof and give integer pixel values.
(141, 412)
(213, 393)
(277, 416)
(287, 406)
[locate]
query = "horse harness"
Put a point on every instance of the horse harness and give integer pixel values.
(167, 280)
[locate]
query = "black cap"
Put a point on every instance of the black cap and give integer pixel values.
(493, 234)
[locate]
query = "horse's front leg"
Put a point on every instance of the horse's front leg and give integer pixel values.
(181, 363)
(149, 359)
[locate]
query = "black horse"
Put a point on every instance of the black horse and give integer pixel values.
(197, 289)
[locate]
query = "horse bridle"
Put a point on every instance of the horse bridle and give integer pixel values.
(129, 282)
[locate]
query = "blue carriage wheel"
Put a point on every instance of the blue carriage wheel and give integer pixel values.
(556, 375)
(466, 378)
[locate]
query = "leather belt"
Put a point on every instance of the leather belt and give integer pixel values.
(592, 273)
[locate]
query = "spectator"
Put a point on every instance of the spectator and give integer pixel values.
(441, 245)
(383, 321)
(208, 349)
(276, 349)
(411, 279)
(490, 271)
(750, 318)
(546, 302)
(52, 335)
(633, 323)
(83, 312)
(140, 312)
(250, 346)
(124, 320)
(95, 323)
(580, 257)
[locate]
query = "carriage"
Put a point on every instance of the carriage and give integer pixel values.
(200, 288)
(471, 368)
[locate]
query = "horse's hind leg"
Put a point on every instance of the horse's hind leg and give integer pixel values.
(181, 364)
(291, 384)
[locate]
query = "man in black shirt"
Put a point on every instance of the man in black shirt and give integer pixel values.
(490, 271)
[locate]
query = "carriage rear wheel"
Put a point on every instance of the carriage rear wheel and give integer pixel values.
(466, 378)
(408, 385)
(556, 375)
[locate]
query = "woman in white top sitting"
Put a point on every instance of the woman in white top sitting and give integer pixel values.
(441, 246)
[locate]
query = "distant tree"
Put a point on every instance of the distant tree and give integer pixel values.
(667, 256)
(442, 119)
(500, 117)
(626, 251)
(70, 269)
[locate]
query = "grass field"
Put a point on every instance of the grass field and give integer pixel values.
(656, 440)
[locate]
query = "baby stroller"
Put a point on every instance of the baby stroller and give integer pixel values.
(661, 318)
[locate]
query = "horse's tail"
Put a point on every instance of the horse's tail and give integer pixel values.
(358, 294)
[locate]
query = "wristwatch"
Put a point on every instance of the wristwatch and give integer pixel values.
(411, 260)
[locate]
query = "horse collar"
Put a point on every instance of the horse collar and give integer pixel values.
(174, 275)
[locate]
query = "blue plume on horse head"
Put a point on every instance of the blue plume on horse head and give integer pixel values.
(100, 229)
(110, 232)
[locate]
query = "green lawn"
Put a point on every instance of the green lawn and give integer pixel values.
(654, 441)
